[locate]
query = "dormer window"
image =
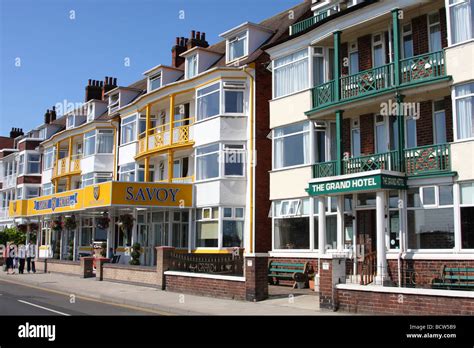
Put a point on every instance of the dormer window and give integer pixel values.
(90, 112)
(237, 46)
(113, 102)
(70, 122)
(154, 82)
(191, 66)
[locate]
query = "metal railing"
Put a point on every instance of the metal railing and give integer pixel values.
(324, 169)
(323, 94)
(385, 161)
(222, 264)
(428, 159)
(366, 82)
(422, 67)
(305, 24)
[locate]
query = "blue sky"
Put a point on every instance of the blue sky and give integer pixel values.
(57, 54)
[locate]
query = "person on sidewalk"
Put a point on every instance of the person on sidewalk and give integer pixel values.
(10, 253)
(30, 257)
(21, 258)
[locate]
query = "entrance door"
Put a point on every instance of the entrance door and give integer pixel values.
(146, 243)
(367, 247)
(366, 231)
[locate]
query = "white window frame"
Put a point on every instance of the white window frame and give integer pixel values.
(376, 43)
(310, 74)
(104, 133)
(233, 86)
(152, 79)
(49, 151)
(90, 112)
(220, 107)
(435, 112)
(240, 152)
(406, 33)
(219, 162)
(454, 98)
(291, 203)
(27, 163)
(132, 166)
(192, 59)
(355, 125)
(69, 124)
(208, 219)
(432, 25)
(21, 164)
(243, 35)
(49, 187)
(127, 122)
(448, 20)
(114, 102)
(353, 48)
(311, 145)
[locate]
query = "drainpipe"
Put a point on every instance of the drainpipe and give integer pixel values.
(251, 158)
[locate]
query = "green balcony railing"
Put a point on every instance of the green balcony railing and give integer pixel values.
(385, 161)
(428, 159)
(367, 82)
(324, 169)
(422, 67)
(305, 24)
(323, 94)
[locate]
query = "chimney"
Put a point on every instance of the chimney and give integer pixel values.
(176, 50)
(197, 39)
(53, 114)
(16, 132)
(108, 84)
(47, 117)
(93, 90)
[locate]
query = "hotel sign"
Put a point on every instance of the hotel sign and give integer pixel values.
(365, 183)
(69, 201)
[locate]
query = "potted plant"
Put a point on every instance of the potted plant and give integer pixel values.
(70, 255)
(70, 223)
(126, 222)
(135, 254)
(56, 225)
(103, 221)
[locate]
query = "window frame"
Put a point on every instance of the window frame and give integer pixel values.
(275, 68)
(404, 34)
(194, 59)
(433, 25)
(242, 35)
(126, 123)
(302, 132)
(28, 161)
(455, 98)
(152, 79)
(435, 128)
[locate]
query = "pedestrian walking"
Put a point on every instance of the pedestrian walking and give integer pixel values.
(30, 257)
(21, 258)
(10, 253)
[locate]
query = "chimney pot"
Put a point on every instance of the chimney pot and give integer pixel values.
(193, 34)
(198, 35)
(115, 82)
(203, 36)
(177, 41)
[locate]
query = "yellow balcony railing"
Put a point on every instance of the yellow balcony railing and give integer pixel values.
(66, 166)
(177, 133)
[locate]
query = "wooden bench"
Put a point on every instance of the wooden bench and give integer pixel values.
(461, 278)
(287, 271)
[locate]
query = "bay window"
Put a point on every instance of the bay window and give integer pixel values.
(233, 227)
(291, 224)
(464, 104)
(207, 227)
(105, 141)
(48, 158)
(461, 15)
(430, 217)
(290, 73)
(237, 46)
(208, 101)
(47, 189)
(207, 162)
(234, 157)
(21, 164)
(234, 101)
(127, 172)
(467, 215)
(33, 164)
(141, 173)
(291, 145)
(129, 129)
(89, 143)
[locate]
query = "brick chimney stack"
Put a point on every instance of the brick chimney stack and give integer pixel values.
(109, 84)
(182, 45)
(16, 132)
(47, 117)
(52, 114)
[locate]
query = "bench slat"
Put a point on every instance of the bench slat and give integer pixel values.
(280, 276)
(287, 264)
(285, 270)
(458, 277)
(458, 269)
(454, 284)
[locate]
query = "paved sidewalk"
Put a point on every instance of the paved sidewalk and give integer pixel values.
(164, 302)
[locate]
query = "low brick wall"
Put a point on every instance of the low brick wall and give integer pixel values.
(422, 272)
(58, 266)
(402, 304)
(139, 275)
(210, 287)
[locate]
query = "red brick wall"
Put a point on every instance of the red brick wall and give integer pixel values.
(422, 271)
(28, 179)
(28, 145)
(424, 125)
(365, 52)
(420, 34)
(389, 303)
(263, 93)
(367, 134)
(206, 287)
